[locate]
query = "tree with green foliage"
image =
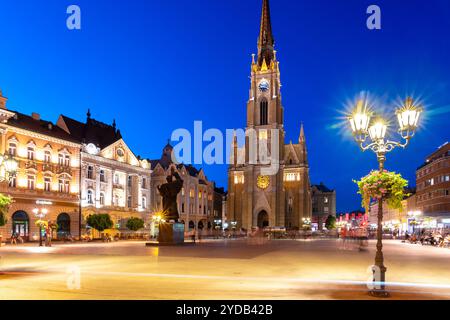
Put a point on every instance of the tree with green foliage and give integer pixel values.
(134, 224)
(5, 202)
(100, 222)
(330, 223)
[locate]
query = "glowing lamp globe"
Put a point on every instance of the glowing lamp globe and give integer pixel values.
(377, 131)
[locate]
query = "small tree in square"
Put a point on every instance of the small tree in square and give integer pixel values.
(100, 222)
(5, 202)
(134, 224)
(330, 223)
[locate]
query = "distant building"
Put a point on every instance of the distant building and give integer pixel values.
(394, 219)
(220, 198)
(352, 219)
(195, 201)
(113, 179)
(323, 204)
(433, 187)
(48, 174)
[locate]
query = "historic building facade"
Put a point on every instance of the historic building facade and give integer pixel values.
(113, 179)
(323, 204)
(196, 199)
(254, 197)
(48, 174)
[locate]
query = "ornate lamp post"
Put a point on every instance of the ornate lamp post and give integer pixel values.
(40, 214)
(362, 127)
(8, 167)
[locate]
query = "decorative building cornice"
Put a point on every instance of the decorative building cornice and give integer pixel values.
(40, 136)
(125, 166)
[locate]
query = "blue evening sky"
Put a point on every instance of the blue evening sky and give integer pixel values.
(158, 65)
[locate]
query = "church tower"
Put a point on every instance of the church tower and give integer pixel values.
(282, 198)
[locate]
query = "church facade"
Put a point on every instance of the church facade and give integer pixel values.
(255, 198)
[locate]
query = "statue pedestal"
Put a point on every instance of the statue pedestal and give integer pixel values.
(171, 233)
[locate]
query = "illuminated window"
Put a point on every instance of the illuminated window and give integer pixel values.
(325, 200)
(239, 178)
(191, 193)
(47, 183)
(262, 134)
(12, 182)
(30, 153)
(292, 176)
(12, 149)
(200, 195)
(61, 159)
(47, 156)
(31, 182)
(182, 191)
(67, 160)
(64, 184)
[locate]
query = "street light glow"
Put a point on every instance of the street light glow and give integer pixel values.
(377, 130)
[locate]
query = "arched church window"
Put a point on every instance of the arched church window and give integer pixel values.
(263, 112)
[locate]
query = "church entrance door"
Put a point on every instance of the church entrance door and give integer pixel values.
(263, 219)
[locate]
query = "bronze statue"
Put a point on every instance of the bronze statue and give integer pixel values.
(169, 192)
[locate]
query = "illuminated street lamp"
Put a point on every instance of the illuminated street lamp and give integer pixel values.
(8, 167)
(408, 118)
(40, 214)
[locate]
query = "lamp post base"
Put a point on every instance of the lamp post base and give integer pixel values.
(379, 293)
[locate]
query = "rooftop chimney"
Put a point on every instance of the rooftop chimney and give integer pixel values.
(36, 116)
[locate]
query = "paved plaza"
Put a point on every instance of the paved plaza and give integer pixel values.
(219, 269)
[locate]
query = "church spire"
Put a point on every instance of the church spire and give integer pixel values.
(301, 138)
(265, 40)
(302, 142)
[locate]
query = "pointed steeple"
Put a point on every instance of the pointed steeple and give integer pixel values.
(302, 143)
(301, 138)
(88, 114)
(265, 40)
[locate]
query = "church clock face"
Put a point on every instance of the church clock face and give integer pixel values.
(263, 182)
(263, 86)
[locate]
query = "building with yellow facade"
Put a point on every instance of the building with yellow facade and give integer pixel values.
(47, 178)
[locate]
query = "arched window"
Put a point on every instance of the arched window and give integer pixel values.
(90, 197)
(63, 222)
(102, 198)
(144, 202)
(102, 176)
(20, 223)
(263, 112)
